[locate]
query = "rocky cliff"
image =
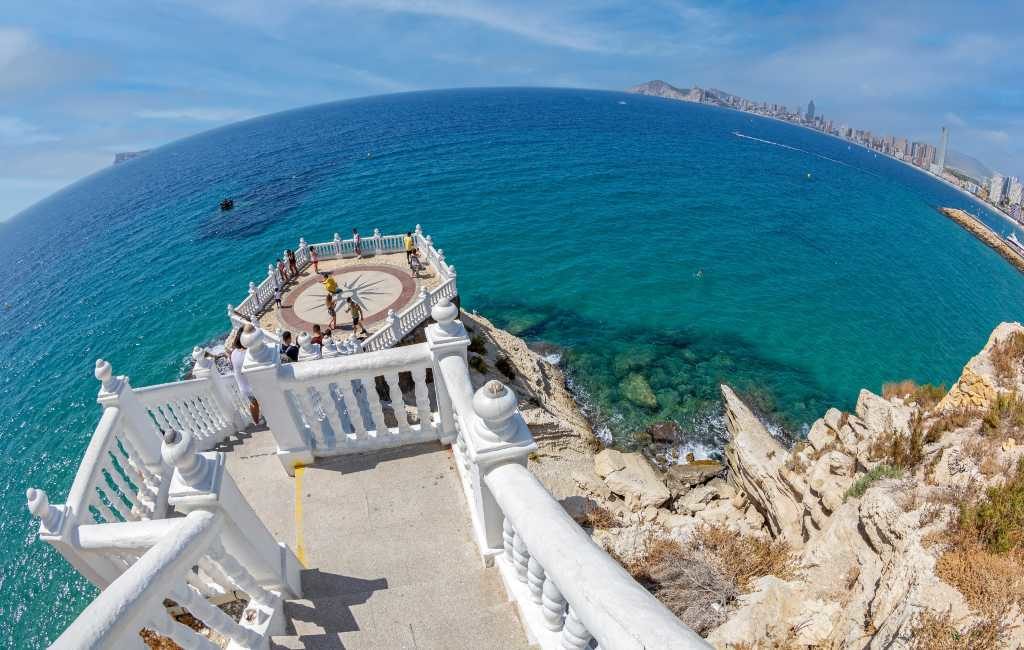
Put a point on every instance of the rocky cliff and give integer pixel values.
(868, 510)
(658, 88)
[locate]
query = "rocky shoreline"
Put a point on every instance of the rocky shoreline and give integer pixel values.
(859, 528)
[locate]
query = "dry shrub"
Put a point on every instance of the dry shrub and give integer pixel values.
(1004, 416)
(990, 582)
(744, 558)
(898, 450)
(1007, 355)
(949, 421)
(925, 395)
(598, 517)
(938, 632)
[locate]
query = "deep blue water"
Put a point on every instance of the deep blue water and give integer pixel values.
(578, 218)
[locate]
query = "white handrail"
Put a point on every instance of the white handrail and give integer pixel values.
(612, 606)
(115, 617)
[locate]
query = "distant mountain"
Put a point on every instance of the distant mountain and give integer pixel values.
(659, 88)
(125, 156)
(967, 165)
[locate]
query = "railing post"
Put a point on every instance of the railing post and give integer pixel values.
(261, 365)
(138, 426)
(57, 528)
(201, 482)
(395, 325)
(337, 245)
(446, 338)
(220, 386)
(378, 244)
(275, 278)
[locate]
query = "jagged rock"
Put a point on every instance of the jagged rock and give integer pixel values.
(722, 489)
(590, 482)
(665, 431)
(681, 478)
(881, 415)
(696, 499)
(673, 521)
(632, 477)
(820, 435)
(754, 459)
(762, 616)
(976, 387)
(833, 419)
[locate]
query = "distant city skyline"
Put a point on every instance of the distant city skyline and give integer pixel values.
(80, 83)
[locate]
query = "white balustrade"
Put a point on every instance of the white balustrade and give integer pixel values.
(193, 406)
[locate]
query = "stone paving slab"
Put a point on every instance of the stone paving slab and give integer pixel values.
(391, 561)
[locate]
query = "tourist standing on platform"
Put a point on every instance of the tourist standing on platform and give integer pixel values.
(293, 267)
(282, 271)
(410, 245)
(289, 351)
(318, 336)
(237, 360)
(314, 259)
(357, 315)
(331, 311)
(358, 242)
(277, 298)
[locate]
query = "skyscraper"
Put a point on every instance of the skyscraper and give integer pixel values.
(810, 111)
(940, 157)
(995, 188)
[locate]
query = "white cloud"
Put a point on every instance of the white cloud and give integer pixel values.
(26, 63)
(995, 136)
(16, 131)
(196, 114)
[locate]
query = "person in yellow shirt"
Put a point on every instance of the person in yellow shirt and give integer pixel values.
(330, 284)
(410, 245)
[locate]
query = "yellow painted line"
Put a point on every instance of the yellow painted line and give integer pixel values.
(300, 546)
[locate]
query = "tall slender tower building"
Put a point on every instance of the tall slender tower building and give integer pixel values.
(940, 157)
(810, 111)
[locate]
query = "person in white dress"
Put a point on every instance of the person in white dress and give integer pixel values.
(237, 359)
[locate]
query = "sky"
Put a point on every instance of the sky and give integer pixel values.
(81, 81)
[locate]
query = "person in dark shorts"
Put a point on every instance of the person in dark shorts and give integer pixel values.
(293, 267)
(331, 311)
(357, 315)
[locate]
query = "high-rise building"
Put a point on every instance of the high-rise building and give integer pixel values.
(900, 147)
(1015, 191)
(995, 188)
(940, 157)
(810, 111)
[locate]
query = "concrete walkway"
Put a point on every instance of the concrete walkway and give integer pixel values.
(387, 541)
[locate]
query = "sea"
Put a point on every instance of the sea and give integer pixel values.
(656, 248)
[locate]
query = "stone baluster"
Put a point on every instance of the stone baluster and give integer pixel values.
(256, 561)
(508, 535)
(574, 634)
(553, 606)
(440, 258)
(447, 337)
(303, 252)
(254, 304)
(262, 363)
(535, 580)
(394, 325)
(520, 557)
(214, 617)
(378, 243)
(239, 576)
(424, 301)
(419, 231)
(182, 635)
(337, 244)
(275, 277)
(140, 434)
(221, 387)
(307, 349)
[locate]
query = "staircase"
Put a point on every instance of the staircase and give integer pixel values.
(387, 539)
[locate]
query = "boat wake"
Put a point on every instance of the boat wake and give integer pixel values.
(786, 146)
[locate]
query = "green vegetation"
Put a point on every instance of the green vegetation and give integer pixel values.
(476, 344)
(1007, 355)
(861, 485)
(505, 367)
(1005, 413)
(997, 521)
(477, 363)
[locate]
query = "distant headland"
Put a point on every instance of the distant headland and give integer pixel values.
(125, 156)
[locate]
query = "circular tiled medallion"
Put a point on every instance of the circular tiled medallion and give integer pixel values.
(376, 288)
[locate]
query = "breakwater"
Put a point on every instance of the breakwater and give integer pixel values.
(988, 236)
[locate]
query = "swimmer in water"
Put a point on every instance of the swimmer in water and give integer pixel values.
(699, 274)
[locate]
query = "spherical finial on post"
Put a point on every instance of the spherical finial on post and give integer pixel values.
(105, 374)
(444, 313)
(178, 451)
(39, 506)
(419, 231)
(496, 405)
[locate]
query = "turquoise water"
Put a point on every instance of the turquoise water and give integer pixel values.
(577, 218)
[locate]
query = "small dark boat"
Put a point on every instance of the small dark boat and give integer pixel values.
(227, 204)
